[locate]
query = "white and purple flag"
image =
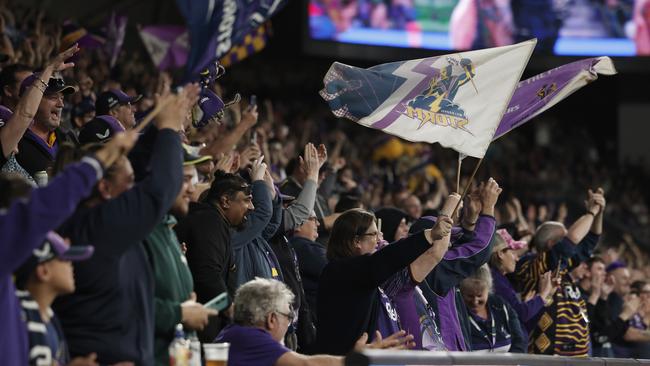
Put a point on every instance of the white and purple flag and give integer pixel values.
(540, 92)
(456, 100)
(168, 45)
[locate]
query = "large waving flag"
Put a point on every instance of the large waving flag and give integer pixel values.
(456, 100)
(539, 93)
(215, 26)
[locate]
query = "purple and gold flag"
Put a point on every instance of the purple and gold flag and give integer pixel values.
(540, 92)
(253, 42)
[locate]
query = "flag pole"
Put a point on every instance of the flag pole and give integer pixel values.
(149, 117)
(460, 161)
(469, 182)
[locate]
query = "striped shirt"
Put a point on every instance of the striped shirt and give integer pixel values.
(47, 344)
(562, 328)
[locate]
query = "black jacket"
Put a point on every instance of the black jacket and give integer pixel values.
(33, 156)
(312, 259)
(348, 293)
(210, 258)
(111, 311)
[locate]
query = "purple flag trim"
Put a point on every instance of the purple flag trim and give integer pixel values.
(535, 93)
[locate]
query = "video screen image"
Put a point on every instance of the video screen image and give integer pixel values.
(562, 27)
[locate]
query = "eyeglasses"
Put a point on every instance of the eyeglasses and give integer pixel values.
(290, 315)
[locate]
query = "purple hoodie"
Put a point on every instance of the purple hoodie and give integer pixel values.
(468, 252)
(23, 226)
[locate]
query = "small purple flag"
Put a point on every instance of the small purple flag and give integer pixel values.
(539, 93)
(115, 31)
(167, 45)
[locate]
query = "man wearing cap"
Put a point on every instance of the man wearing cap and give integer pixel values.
(175, 300)
(38, 147)
(119, 105)
(44, 276)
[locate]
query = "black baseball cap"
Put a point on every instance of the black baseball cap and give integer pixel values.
(54, 85)
(99, 129)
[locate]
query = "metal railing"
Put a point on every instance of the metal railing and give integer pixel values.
(384, 357)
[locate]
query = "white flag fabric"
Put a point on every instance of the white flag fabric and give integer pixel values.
(456, 100)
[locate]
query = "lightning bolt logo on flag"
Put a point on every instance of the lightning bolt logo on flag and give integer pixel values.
(456, 100)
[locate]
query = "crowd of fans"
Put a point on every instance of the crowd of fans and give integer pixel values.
(327, 238)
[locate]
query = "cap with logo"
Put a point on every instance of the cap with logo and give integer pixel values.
(54, 85)
(112, 98)
(100, 129)
(53, 247)
(5, 114)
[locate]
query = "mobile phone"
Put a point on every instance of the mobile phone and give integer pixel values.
(218, 303)
(254, 137)
(253, 100)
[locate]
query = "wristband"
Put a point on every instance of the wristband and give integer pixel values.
(590, 213)
(42, 82)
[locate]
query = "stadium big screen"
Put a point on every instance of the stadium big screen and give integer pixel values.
(562, 27)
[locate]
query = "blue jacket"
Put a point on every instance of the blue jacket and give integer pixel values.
(252, 252)
(23, 226)
(506, 334)
(112, 310)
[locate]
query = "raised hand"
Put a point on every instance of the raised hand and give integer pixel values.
(249, 155)
(489, 196)
(546, 287)
(472, 207)
(58, 63)
(175, 108)
(225, 163)
(442, 228)
(258, 170)
(249, 116)
(322, 154)
(310, 162)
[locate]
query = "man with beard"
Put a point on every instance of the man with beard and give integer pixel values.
(38, 147)
(175, 301)
(207, 232)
